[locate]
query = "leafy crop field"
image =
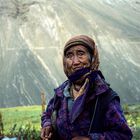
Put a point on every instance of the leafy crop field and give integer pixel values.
(24, 122)
(132, 114)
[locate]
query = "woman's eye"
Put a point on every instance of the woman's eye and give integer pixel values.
(69, 55)
(81, 53)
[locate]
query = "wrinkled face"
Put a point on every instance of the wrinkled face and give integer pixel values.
(76, 57)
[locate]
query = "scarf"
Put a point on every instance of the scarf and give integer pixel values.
(86, 93)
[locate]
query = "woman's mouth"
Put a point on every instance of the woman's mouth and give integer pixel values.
(77, 68)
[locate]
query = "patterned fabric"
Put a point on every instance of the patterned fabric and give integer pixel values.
(74, 118)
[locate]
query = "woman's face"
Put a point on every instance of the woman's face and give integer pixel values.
(76, 57)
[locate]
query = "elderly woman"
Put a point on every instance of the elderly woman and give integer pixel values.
(86, 107)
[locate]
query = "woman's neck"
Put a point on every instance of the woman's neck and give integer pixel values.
(77, 87)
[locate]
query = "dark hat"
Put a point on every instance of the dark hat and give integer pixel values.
(80, 40)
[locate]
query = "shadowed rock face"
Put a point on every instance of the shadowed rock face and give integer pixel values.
(33, 33)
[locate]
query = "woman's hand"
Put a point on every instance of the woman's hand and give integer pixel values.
(46, 133)
(80, 138)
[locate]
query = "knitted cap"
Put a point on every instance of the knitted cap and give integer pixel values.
(80, 40)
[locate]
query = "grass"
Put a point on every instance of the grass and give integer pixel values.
(22, 121)
(132, 114)
(25, 121)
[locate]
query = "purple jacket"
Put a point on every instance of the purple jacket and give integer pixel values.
(76, 120)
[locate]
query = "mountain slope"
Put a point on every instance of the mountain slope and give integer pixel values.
(33, 33)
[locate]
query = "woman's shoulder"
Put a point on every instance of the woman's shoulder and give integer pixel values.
(60, 88)
(108, 97)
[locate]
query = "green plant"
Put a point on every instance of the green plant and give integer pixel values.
(132, 113)
(1, 126)
(24, 132)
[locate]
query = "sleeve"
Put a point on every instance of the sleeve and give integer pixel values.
(46, 116)
(115, 122)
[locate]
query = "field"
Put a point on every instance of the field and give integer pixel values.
(24, 122)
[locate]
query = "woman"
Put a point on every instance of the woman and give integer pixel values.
(85, 105)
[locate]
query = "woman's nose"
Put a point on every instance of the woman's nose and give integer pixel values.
(76, 60)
